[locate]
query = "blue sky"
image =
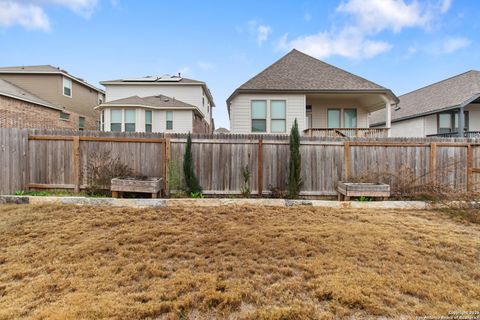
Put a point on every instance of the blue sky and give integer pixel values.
(400, 44)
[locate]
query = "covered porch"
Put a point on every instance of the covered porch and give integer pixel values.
(345, 114)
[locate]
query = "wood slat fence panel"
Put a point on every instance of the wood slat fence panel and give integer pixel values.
(13, 162)
(47, 159)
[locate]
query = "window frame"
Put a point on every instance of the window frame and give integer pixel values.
(151, 121)
(134, 120)
(121, 120)
(356, 118)
(339, 118)
(65, 116)
(272, 119)
(168, 121)
(257, 119)
(66, 80)
(81, 123)
(453, 115)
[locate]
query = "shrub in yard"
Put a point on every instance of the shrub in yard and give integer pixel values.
(295, 166)
(191, 182)
(101, 169)
(246, 174)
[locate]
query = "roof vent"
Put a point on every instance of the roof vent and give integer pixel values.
(397, 107)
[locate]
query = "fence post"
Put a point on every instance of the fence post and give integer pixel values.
(347, 159)
(76, 163)
(433, 163)
(164, 164)
(469, 168)
(167, 164)
(260, 167)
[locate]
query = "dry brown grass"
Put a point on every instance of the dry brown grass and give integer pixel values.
(66, 262)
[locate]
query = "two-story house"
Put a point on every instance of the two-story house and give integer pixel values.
(47, 97)
(157, 104)
(325, 100)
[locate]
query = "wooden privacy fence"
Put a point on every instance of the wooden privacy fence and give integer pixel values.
(60, 159)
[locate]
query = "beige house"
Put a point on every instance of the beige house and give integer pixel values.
(448, 108)
(325, 100)
(73, 98)
(184, 103)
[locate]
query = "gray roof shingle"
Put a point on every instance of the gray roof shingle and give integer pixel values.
(11, 90)
(442, 95)
(297, 71)
(157, 101)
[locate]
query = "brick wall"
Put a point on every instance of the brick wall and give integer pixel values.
(21, 114)
(200, 125)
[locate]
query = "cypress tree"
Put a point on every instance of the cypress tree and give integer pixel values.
(191, 181)
(295, 164)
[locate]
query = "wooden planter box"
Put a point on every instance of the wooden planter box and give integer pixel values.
(147, 185)
(353, 189)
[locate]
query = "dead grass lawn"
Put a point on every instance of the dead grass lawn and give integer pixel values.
(69, 262)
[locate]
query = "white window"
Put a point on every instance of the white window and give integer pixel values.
(169, 124)
(278, 114)
(148, 120)
(130, 120)
(81, 123)
(67, 87)
(349, 118)
(259, 115)
(333, 118)
(116, 120)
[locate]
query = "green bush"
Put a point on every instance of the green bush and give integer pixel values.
(191, 181)
(295, 164)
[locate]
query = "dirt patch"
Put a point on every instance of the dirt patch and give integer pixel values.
(68, 262)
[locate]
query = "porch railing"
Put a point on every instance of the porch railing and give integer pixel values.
(466, 134)
(347, 132)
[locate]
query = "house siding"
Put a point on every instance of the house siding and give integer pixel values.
(16, 113)
(191, 94)
(408, 128)
(427, 125)
(182, 120)
(50, 88)
(240, 111)
(321, 105)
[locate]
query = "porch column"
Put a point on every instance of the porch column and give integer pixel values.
(461, 121)
(388, 120)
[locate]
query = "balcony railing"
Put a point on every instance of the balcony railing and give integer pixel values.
(347, 132)
(466, 134)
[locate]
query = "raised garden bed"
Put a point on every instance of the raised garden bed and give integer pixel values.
(152, 185)
(361, 189)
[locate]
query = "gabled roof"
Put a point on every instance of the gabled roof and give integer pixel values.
(46, 69)
(443, 95)
(154, 102)
(10, 90)
(165, 79)
(299, 72)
